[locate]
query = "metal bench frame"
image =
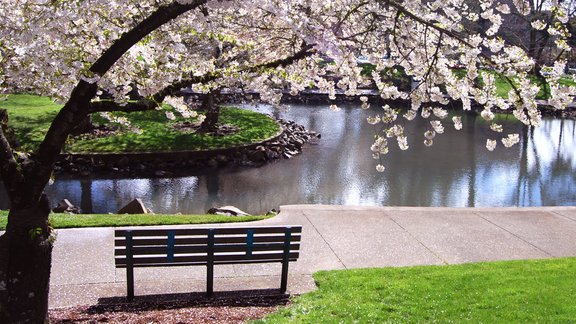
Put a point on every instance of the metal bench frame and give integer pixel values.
(206, 246)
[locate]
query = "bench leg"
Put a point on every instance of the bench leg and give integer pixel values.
(130, 283)
(285, 259)
(209, 279)
(284, 278)
(129, 267)
(210, 264)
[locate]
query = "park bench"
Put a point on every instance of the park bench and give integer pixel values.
(205, 246)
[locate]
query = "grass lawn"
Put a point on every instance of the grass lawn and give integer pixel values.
(31, 116)
(496, 292)
(503, 87)
(103, 220)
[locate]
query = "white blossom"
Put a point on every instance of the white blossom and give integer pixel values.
(440, 113)
(373, 120)
(511, 140)
(410, 115)
(487, 114)
(538, 24)
(437, 125)
(380, 146)
(490, 144)
(403, 142)
(425, 113)
(457, 120)
(496, 127)
(170, 115)
(334, 108)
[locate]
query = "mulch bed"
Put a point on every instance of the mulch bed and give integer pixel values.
(224, 310)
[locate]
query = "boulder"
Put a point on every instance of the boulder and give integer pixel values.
(272, 212)
(227, 211)
(65, 206)
(257, 156)
(136, 206)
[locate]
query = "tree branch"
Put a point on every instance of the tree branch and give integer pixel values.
(110, 105)
(150, 104)
(77, 107)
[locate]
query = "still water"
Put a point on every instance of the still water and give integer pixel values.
(457, 171)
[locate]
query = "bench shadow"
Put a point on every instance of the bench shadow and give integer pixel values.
(237, 298)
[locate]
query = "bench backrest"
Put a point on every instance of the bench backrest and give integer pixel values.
(199, 246)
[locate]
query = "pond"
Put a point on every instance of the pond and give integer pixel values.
(457, 171)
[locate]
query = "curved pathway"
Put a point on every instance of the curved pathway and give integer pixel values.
(334, 237)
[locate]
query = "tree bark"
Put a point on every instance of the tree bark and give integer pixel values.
(25, 259)
(84, 126)
(212, 113)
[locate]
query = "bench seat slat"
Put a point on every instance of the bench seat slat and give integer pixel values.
(180, 249)
(202, 259)
(156, 265)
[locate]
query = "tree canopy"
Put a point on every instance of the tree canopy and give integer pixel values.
(48, 47)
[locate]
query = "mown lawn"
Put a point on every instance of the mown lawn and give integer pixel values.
(503, 86)
(534, 291)
(31, 116)
(111, 220)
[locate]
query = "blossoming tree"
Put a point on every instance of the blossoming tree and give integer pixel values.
(76, 51)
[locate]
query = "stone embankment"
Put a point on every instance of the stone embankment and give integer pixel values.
(288, 143)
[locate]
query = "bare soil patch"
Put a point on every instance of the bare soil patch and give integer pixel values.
(219, 130)
(225, 310)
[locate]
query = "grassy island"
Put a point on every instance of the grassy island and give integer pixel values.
(31, 115)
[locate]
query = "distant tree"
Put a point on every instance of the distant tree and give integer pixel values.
(527, 26)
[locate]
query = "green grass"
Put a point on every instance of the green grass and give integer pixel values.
(497, 292)
(503, 87)
(31, 116)
(110, 220)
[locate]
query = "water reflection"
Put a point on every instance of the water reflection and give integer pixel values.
(456, 171)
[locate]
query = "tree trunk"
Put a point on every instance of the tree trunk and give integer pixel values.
(84, 126)
(212, 112)
(25, 260)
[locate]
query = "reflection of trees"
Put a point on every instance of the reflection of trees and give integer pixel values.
(553, 169)
(472, 162)
(86, 196)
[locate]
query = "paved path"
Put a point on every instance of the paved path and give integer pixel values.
(334, 237)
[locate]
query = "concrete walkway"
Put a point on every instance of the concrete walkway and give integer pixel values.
(334, 237)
